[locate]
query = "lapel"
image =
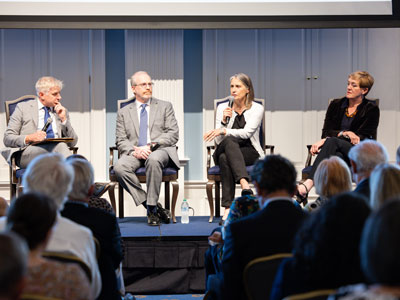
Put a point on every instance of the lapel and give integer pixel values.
(134, 116)
(153, 112)
(35, 112)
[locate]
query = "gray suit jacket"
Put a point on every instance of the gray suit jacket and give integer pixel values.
(23, 122)
(163, 128)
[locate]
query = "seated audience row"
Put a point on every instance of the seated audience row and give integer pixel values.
(73, 231)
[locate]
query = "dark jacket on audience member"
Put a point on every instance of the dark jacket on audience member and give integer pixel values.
(363, 188)
(105, 229)
(266, 232)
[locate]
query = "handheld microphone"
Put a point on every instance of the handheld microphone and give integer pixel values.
(230, 105)
(48, 122)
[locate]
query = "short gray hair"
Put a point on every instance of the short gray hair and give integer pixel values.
(50, 175)
(45, 83)
(384, 184)
(367, 155)
(133, 81)
(83, 179)
(13, 262)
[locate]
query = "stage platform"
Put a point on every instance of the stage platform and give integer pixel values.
(166, 259)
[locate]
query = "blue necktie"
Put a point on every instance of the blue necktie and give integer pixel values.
(143, 126)
(49, 131)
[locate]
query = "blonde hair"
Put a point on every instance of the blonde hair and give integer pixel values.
(332, 177)
(384, 184)
(245, 79)
(365, 80)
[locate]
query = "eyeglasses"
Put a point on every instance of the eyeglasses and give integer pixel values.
(145, 85)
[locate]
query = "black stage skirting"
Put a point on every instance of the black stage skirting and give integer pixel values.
(165, 260)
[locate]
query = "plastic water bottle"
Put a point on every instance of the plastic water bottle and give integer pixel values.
(185, 212)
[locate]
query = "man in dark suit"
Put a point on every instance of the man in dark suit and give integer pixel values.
(266, 232)
(364, 157)
(146, 135)
(104, 226)
(28, 120)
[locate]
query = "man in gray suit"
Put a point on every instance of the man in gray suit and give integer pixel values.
(146, 135)
(27, 125)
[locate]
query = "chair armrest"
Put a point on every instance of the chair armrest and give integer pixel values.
(309, 156)
(209, 148)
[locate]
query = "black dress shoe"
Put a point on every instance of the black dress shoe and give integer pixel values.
(247, 192)
(153, 219)
(163, 214)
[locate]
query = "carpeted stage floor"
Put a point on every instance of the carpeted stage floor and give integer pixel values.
(166, 259)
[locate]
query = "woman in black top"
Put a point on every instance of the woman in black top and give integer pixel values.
(348, 121)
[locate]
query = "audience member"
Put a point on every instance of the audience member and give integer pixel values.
(3, 207)
(325, 253)
(379, 252)
(384, 184)
(398, 156)
(94, 199)
(50, 175)
(45, 278)
(364, 157)
(13, 265)
(267, 231)
(103, 225)
(331, 178)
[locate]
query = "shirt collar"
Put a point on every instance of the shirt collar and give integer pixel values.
(269, 200)
(138, 103)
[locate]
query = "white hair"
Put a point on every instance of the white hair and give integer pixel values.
(83, 179)
(45, 83)
(133, 77)
(50, 175)
(367, 155)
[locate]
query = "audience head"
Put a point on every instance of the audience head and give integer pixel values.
(32, 216)
(49, 174)
(3, 207)
(365, 156)
(384, 184)
(328, 241)
(332, 177)
(398, 156)
(46, 83)
(13, 265)
(245, 79)
(365, 80)
(274, 173)
(380, 245)
(83, 183)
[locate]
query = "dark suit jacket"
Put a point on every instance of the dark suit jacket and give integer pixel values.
(266, 232)
(363, 188)
(365, 123)
(105, 228)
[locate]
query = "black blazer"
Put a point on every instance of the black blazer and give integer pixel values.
(365, 123)
(105, 228)
(266, 232)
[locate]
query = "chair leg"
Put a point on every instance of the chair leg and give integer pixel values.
(175, 191)
(111, 195)
(166, 195)
(209, 187)
(13, 191)
(217, 198)
(121, 201)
